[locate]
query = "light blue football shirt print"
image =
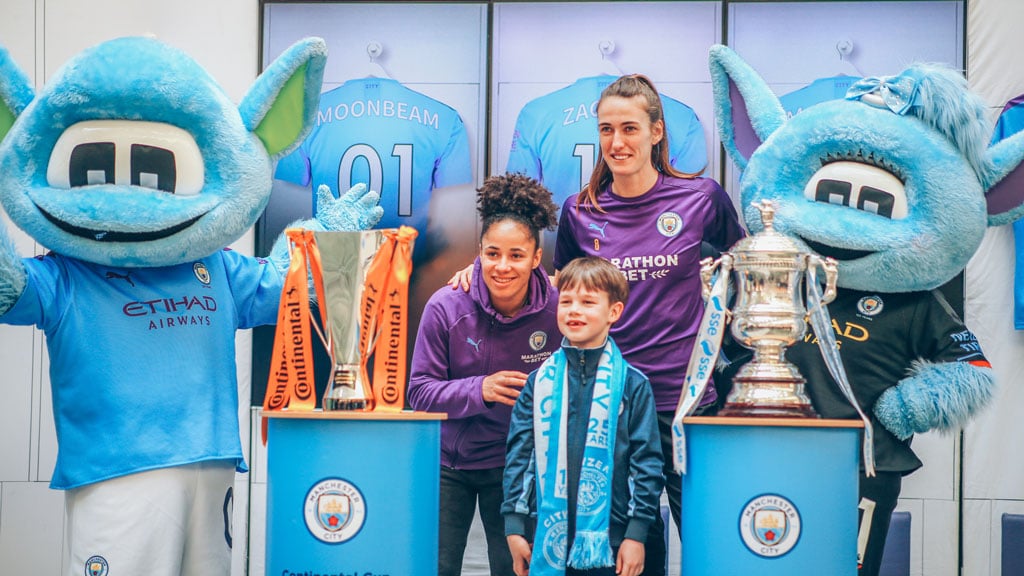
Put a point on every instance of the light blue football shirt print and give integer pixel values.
(397, 141)
(556, 140)
(1011, 121)
(821, 90)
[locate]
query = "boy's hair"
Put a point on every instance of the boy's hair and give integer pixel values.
(596, 274)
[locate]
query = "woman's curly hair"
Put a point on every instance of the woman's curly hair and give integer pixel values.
(516, 197)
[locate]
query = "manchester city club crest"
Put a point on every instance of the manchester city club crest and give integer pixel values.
(554, 544)
(537, 340)
(335, 510)
(770, 525)
(669, 224)
(592, 495)
(202, 274)
(96, 566)
(870, 305)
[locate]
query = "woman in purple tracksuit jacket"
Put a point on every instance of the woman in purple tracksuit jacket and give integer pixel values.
(473, 353)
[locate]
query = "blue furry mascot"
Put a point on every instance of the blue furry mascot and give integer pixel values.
(135, 170)
(897, 183)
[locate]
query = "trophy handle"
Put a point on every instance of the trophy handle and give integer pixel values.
(831, 267)
(707, 270)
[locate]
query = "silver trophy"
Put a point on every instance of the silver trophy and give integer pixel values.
(769, 315)
(345, 257)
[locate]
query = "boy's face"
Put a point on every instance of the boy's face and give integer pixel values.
(585, 316)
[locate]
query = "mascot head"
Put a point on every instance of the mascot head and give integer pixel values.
(896, 181)
(133, 156)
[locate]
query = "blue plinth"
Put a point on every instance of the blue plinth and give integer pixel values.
(350, 494)
(770, 496)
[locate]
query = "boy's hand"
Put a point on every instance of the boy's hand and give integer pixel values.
(521, 551)
(503, 387)
(631, 558)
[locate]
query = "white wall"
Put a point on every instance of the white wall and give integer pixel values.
(993, 471)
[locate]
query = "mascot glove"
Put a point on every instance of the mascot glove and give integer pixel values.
(904, 416)
(940, 395)
(357, 209)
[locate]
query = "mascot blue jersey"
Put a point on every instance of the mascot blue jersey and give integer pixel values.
(1011, 121)
(556, 139)
(822, 89)
(130, 345)
(397, 141)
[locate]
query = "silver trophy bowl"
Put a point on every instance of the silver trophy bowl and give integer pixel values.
(768, 316)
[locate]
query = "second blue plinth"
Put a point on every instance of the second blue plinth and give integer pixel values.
(770, 497)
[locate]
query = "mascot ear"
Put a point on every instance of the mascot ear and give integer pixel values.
(15, 91)
(746, 110)
(281, 106)
(1005, 197)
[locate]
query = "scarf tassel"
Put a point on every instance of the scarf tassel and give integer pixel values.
(591, 549)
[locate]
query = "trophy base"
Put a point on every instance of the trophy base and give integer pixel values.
(340, 404)
(736, 409)
(780, 396)
(346, 391)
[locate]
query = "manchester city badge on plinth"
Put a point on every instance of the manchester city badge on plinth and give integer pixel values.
(769, 315)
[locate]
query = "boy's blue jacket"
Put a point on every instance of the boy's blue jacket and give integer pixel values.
(461, 340)
(637, 478)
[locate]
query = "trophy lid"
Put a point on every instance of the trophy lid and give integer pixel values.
(769, 242)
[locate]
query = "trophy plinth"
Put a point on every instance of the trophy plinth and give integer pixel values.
(768, 316)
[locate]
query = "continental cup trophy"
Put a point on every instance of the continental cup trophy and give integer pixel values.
(346, 258)
(769, 315)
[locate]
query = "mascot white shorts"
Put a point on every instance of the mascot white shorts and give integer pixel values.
(166, 522)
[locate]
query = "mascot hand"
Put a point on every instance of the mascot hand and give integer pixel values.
(940, 395)
(357, 209)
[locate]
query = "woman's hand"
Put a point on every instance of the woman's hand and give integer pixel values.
(462, 278)
(521, 551)
(503, 387)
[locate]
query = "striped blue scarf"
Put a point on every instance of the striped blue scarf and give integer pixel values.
(591, 548)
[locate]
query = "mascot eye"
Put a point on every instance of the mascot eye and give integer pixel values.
(152, 167)
(126, 153)
(92, 163)
(859, 186)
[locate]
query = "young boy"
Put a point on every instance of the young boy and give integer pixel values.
(584, 455)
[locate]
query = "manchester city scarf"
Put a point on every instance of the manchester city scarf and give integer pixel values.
(591, 548)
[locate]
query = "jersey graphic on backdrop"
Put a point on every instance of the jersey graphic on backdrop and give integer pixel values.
(822, 89)
(556, 140)
(396, 140)
(1011, 121)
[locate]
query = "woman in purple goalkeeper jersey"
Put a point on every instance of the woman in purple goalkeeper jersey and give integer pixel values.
(651, 222)
(473, 352)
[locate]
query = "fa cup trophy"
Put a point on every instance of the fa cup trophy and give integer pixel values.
(769, 315)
